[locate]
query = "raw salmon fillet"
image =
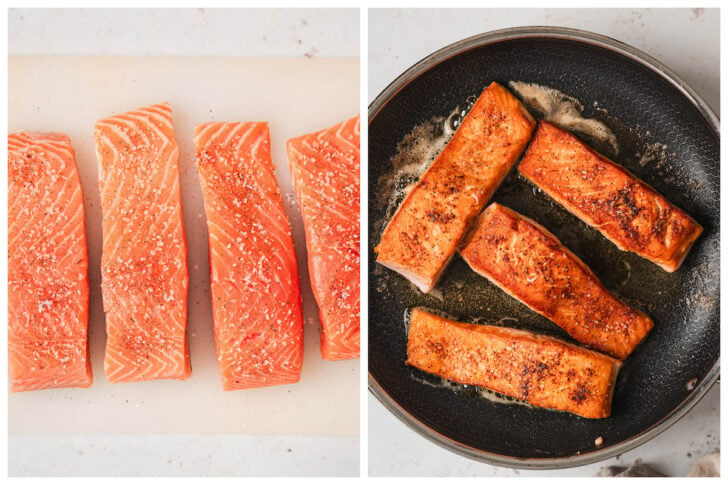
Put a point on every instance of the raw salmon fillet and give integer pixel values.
(530, 264)
(144, 259)
(422, 237)
(609, 198)
(541, 370)
(256, 297)
(325, 171)
(47, 265)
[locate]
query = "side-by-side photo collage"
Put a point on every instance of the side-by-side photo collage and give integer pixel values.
(363, 242)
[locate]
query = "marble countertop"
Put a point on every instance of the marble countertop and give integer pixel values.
(400, 38)
(184, 32)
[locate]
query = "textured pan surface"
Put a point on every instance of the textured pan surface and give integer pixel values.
(678, 361)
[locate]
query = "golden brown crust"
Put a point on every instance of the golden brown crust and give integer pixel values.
(423, 235)
(532, 265)
(543, 371)
(608, 197)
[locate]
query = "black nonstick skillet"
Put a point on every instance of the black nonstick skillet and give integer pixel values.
(652, 112)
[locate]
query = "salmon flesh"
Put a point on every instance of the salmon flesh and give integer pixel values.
(422, 236)
(609, 198)
(48, 292)
(540, 370)
(530, 264)
(256, 297)
(325, 171)
(144, 274)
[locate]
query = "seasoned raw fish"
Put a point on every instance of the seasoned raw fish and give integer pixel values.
(47, 265)
(531, 265)
(423, 235)
(144, 258)
(325, 172)
(609, 198)
(541, 370)
(256, 297)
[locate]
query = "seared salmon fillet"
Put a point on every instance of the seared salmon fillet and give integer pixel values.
(609, 198)
(540, 370)
(47, 265)
(256, 297)
(325, 171)
(144, 256)
(531, 265)
(423, 234)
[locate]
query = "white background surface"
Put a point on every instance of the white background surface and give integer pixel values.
(309, 428)
(687, 41)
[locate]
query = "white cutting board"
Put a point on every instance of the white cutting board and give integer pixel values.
(296, 96)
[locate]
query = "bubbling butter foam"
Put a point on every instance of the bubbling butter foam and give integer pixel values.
(564, 111)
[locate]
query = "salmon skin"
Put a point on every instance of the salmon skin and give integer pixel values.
(530, 264)
(609, 198)
(423, 235)
(47, 265)
(144, 274)
(325, 171)
(540, 370)
(256, 297)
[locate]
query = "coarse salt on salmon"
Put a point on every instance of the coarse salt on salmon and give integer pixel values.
(422, 237)
(325, 171)
(48, 290)
(256, 297)
(144, 274)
